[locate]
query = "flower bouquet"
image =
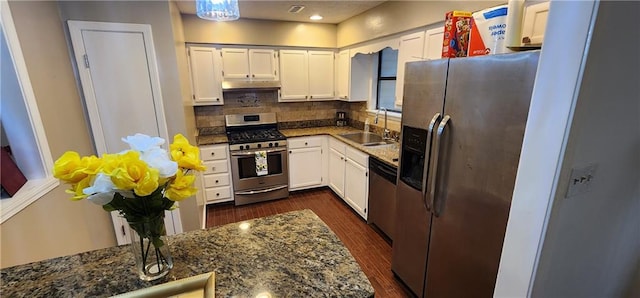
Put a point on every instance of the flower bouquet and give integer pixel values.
(140, 183)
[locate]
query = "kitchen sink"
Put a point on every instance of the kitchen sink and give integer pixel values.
(366, 138)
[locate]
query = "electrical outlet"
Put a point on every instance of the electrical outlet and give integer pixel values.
(581, 180)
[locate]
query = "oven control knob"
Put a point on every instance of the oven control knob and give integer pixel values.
(276, 144)
(248, 147)
(259, 145)
(270, 144)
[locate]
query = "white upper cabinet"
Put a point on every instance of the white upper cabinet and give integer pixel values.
(534, 23)
(262, 63)
(343, 74)
(206, 76)
(249, 64)
(433, 43)
(306, 75)
(411, 49)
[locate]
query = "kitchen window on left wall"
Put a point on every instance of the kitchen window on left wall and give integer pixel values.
(22, 124)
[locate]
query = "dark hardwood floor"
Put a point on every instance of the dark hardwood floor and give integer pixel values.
(369, 248)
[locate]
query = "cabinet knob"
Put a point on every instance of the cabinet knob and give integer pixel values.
(217, 99)
(213, 168)
(253, 75)
(311, 96)
(341, 158)
(217, 181)
(218, 194)
(290, 152)
(213, 153)
(247, 76)
(305, 143)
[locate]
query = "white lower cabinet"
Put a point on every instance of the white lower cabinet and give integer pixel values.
(307, 166)
(349, 175)
(216, 178)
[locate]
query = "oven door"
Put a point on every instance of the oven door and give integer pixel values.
(245, 177)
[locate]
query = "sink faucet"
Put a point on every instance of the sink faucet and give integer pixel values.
(386, 134)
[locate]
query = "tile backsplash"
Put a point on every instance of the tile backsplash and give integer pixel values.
(210, 119)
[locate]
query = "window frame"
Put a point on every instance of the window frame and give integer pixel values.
(35, 188)
(380, 78)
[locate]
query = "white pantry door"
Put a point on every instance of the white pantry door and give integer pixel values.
(117, 67)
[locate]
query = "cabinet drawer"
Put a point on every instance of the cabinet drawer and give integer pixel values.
(304, 142)
(358, 157)
(337, 145)
(216, 180)
(217, 193)
(216, 166)
(213, 153)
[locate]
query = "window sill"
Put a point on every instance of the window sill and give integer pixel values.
(29, 193)
(390, 115)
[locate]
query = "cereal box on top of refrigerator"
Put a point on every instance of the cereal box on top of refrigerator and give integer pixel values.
(457, 27)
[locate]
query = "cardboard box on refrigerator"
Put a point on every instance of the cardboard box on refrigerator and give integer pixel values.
(457, 27)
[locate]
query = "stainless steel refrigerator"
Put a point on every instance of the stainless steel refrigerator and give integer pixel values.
(463, 122)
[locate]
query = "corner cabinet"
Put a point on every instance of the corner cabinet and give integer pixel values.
(349, 175)
(306, 75)
(216, 179)
(249, 64)
(206, 75)
(307, 164)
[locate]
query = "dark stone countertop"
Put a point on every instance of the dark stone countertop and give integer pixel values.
(293, 254)
(387, 154)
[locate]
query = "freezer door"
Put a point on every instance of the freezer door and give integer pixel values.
(487, 99)
(425, 83)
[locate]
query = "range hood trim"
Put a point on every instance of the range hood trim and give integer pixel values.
(250, 85)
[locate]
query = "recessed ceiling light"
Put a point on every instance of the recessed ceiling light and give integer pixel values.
(316, 17)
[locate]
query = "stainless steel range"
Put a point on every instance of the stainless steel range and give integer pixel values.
(259, 164)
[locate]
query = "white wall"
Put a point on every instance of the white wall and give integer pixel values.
(592, 244)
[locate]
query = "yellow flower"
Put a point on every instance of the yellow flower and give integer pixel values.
(181, 187)
(133, 173)
(69, 168)
(186, 155)
(76, 189)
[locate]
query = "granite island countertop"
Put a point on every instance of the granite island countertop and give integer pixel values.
(293, 254)
(387, 153)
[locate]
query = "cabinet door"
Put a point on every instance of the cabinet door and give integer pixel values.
(411, 49)
(534, 23)
(356, 188)
(305, 168)
(205, 75)
(294, 75)
(433, 43)
(343, 65)
(336, 172)
(321, 74)
(235, 63)
(262, 64)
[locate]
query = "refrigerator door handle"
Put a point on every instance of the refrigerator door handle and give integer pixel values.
(433, 169)
(432, 124)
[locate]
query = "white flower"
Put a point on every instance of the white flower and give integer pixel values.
(102, 183)
(101, 198)
(159, 159)
(142, 143)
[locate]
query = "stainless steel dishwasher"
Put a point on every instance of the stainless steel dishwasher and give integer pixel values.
(382, 196)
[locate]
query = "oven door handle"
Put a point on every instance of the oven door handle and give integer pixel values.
(249, 153)
(253, 192)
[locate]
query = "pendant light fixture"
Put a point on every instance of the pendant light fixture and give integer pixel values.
(218, 10)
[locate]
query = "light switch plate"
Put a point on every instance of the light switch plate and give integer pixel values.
(581, 180)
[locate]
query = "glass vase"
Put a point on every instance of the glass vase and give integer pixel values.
(150, 248)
